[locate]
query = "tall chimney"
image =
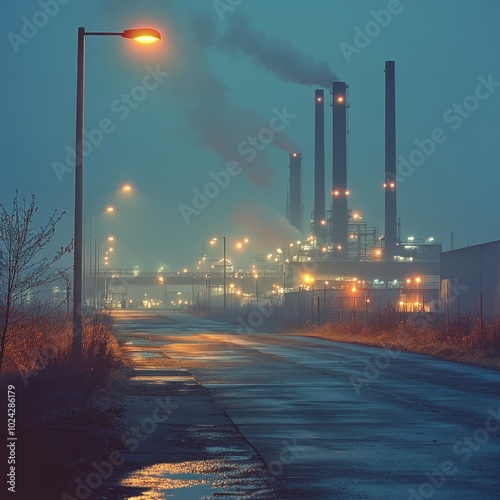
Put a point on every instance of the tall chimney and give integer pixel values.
(319, 167)
(391, 237)
(295, 203)
(339, 191)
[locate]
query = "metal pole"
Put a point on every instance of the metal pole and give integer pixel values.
(324, 299)
(67, 299)
(84, 261)
(98, 291)
(105, 284)
(366, 308)
(77, 239)
(224, 238)
(481, 316)
(447, 310)
(94, 287)
(379, 316)
(90, 284)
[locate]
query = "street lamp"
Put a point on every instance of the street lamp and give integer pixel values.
(144, 35)
(225, 269)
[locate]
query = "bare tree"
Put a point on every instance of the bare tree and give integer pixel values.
(25, 263)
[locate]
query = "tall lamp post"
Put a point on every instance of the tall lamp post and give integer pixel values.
(225, 270)
(144, 35)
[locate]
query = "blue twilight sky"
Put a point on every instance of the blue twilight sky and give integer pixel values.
(232, 66)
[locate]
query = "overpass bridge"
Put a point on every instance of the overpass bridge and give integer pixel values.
(119, 285)
(238, 279)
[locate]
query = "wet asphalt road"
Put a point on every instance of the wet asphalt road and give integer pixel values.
(326, 420)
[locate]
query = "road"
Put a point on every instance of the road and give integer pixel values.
(324, 420)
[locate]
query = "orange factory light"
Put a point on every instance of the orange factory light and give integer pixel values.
(126, 188)
(340, 99)
(110, 209)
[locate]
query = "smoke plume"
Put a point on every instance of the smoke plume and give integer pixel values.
(267, 227)
(218, 123)
(279, 56)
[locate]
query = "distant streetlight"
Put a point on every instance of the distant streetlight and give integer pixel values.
(126, 188)
(143, 35)
(239, 244)
(225, 268)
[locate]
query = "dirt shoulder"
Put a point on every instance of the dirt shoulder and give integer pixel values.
(461, 350)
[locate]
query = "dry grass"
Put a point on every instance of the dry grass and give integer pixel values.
(46, 342)
(66, 417)
(461, 342)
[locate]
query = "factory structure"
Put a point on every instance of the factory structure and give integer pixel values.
(341, 248)
(470, 280)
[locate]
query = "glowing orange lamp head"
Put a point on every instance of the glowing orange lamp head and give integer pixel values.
(142, 35)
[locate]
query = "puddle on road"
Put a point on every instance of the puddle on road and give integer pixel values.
(187, 480)
(148, 354)
(162, 379)
(138, 342)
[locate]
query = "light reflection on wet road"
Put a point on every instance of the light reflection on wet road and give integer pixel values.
(319, 435)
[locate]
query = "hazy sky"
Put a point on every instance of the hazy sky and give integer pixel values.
(225, 70)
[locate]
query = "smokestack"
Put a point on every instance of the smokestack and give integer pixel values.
(319, 166)
(391, 238)
(339, 191)
(295, 199)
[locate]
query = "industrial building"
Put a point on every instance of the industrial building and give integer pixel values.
(470, 280)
